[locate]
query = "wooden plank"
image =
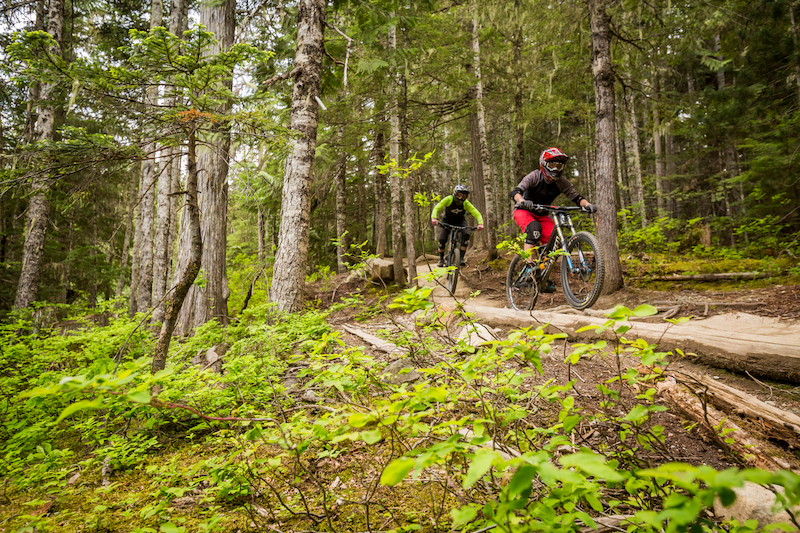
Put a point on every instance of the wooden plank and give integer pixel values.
(775, 422)
(745, 449)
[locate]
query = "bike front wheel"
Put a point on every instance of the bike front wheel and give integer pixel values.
(582, 271)
(521, 289)
(452, 275)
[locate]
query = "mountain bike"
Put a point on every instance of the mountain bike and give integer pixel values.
(452, 255)
(581, 264)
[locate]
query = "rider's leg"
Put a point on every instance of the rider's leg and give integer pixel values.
(547, 225)
(464, 241)
(443, 235)
(527, 224)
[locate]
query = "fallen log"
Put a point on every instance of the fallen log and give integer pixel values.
(713, 304)
(375, 341)
(709, 277)
(774, 422)
(719, 429)
(609, 524)
(738, 342)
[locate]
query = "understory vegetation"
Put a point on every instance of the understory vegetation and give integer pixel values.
(305, 431)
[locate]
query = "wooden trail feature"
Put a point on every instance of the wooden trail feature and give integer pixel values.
(739, 342)
(723, 341)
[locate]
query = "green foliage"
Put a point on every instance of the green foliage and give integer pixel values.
(242, 443)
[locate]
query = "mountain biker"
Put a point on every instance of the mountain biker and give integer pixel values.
(455, 206)
(542, 186)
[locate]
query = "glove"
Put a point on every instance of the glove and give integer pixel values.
(434, 222)
(480, 227)
(527, 205)
(591, 208)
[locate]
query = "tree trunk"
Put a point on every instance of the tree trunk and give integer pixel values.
(408, 187)
(161, 256)
(210, 301)
(632, 149)
(192, 267)
(178, 23)
(133, 304)
(126, 241)
(39, 207)
(341, 206)
(604, 142)
(394, 155)
(147, 193)
(792, 6)
(292, 254)
(661, 193)
(669, 152)
(477, 183)
(446, 181)
(518, 162)
(623, 195)
(262, 228)
(486, 165)
(146, 224)
(379, 185)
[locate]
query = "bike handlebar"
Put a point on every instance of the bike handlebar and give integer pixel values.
(556, 208)
(450, 226)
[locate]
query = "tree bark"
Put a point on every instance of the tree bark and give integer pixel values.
(210, 301)
(379, 186)
(126, 241)
(632, 149)
(341, 205)
(178, 23)
(146, 225)
(792, 6)
(661, 193)
(486, 165)
(394, 155)
(192, 267)
(147, 193)
(408, 187)
(261, 234)
(477, 183)
(133, 304)
(39, 206)
(604, 142)
(161, 257)
(292, 254)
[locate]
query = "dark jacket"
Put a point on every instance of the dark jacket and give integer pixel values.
(535, 188)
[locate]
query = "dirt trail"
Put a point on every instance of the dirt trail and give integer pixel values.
(764, 346)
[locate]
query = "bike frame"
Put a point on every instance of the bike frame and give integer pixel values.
(562, 220)
(455, 236)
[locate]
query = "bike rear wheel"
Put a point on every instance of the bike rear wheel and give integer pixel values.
(522, 290)
(583, 280)
(452, 275)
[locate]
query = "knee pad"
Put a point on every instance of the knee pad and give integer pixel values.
(533, 232)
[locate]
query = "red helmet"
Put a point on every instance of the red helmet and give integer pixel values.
(552, 163)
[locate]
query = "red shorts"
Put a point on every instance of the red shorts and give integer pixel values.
(523, 218)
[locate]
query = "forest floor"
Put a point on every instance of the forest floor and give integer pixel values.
(778, 304)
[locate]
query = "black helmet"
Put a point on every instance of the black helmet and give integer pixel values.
(463, 189)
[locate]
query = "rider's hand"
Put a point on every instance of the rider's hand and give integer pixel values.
(590, 208)
(434, 222)
(525, 204)
(480, 227)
